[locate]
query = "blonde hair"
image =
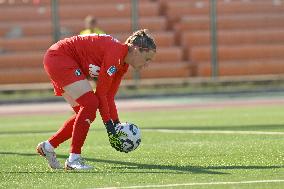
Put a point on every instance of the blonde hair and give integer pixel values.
(141, 39)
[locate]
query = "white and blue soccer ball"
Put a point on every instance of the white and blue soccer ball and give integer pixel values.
(130, 136)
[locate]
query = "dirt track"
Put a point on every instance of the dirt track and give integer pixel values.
(139, 105)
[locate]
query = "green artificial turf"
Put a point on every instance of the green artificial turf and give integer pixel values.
(179, 149)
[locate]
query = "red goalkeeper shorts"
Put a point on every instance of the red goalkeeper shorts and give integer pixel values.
(62, 70)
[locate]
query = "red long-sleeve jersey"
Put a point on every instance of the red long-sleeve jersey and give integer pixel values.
(108, 54)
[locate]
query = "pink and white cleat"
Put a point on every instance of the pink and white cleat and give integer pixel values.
(49, 156)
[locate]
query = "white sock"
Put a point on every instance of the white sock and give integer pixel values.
(73, 157)
(48, 146)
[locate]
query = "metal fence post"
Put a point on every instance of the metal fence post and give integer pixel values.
(55, 20)
(135, 26)
(214, 45)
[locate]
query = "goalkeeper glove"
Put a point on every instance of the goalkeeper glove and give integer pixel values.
(113, 136)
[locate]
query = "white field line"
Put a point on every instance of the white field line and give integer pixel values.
(213, 132)
(25, 134)
(197, 184)
(174, 131)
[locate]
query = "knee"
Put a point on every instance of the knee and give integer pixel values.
(89, 102)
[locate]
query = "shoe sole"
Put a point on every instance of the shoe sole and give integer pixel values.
(68, 168)
(40, 151)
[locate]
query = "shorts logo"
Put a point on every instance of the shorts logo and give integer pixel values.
(111, 70)
(88, 121)
(78, 72)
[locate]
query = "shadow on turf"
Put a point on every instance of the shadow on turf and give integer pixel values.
(231, 128)
(30, 132)
(154, 167)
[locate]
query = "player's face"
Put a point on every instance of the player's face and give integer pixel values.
(142, 59)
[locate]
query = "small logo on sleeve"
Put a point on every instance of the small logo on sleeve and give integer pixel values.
(78, 72)
(111, 70)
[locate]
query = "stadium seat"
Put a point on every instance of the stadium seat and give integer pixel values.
(119, 25)
(177, 9)
(114, 25)
(31, 28)
(23, 75)
(36, 43)
(19, 60)
(250, 34)
(61, 2)
(80, 11)
(234, 22)
(5, 3)
(238, 52)
(115, 10)
(239, 68)
(169, 54)
(233, 37)
(165, 70)
(30, 43)
(240, 59)
(22, 13)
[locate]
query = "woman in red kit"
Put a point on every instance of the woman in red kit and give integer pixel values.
(69, 63)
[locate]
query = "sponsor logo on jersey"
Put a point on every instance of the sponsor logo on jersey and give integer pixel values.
(78, 72)
(111, 70)
(94, 70)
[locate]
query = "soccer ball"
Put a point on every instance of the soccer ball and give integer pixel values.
(130, 136)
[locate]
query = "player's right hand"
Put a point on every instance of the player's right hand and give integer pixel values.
(110, 127)
(113, 136)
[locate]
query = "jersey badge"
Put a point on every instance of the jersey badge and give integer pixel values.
(111, 70)
(78, 72)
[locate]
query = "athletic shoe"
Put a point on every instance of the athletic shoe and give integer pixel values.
(77, 164)
(49, 156)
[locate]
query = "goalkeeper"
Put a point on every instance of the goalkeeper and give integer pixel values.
(70, 63)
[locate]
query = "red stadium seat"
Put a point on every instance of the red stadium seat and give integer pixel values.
(249, 32)
(239, 68)
(233, 37)
(23, 75)
(80, 11)
(238, 52)
(165, 70)
(235, 22)
(114, 25)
